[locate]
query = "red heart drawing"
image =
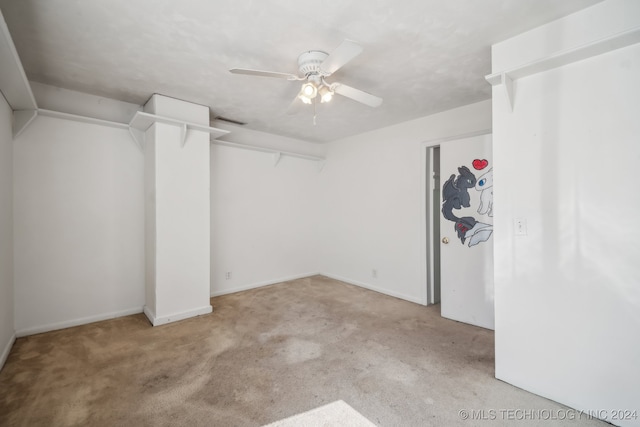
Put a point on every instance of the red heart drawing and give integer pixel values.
(480, 164)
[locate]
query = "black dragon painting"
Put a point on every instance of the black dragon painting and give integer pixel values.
(455, 196)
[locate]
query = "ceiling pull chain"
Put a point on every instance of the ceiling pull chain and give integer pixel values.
(315, 102)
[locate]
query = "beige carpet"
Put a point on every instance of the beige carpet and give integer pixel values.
(335, 414)
(262, 356)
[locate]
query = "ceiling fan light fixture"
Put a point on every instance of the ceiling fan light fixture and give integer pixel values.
(325, 94)
(309, 90)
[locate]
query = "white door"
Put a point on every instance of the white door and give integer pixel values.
(466, 231)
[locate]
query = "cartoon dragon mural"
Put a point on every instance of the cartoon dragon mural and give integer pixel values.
(455, 195)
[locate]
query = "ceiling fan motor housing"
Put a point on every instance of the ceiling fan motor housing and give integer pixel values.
(309, 62)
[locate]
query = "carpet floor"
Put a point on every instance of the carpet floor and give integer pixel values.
(267, 354)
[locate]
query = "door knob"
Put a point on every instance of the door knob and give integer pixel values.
(445, 240)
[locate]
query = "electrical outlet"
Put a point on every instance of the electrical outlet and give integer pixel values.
(374, 273)
(227, 275)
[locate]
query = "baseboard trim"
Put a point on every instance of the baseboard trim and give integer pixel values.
(163, 320)
(374, 288)
(151, 316)
(587, 412)
(7, 350)
(76, 322)
(261, 284)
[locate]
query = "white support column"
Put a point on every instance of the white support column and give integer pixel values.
(177, 213)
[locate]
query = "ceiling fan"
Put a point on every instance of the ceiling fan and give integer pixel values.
(313, 67)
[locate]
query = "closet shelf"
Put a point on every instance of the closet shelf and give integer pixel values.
(143, 121)
(505, 78)
(14, 84)
(82, 119)
(277, 154)
(268, 150)
(568, 56)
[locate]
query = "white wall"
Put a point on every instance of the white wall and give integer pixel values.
(567, 294)
(372, 206)
(78, 225)
(7, 335)
(264, 218)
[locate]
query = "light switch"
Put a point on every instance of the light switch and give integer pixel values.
(520, 226)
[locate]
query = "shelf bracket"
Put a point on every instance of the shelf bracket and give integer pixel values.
(21, 120)
(507, 83)
(321, 165)
(276, 158)
(183, 135)
(138, 137)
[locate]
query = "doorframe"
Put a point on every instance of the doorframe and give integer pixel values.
(426, 228)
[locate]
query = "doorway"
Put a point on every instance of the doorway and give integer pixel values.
(458, 220)
(433, 220)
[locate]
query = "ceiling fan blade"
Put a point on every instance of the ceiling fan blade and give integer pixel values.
(295, 107)
(357, 95)
(344, 53)
(261, 73)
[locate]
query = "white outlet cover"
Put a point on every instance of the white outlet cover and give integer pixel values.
(520, 226)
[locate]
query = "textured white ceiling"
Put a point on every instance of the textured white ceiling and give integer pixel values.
(421, 56)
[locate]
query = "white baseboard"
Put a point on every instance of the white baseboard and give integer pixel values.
(375, 288)
(149, 313)
(163, 320)
(76, 322)
(260, 284)
(7, 350)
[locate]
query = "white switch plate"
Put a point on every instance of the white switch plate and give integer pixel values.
(520, 226)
